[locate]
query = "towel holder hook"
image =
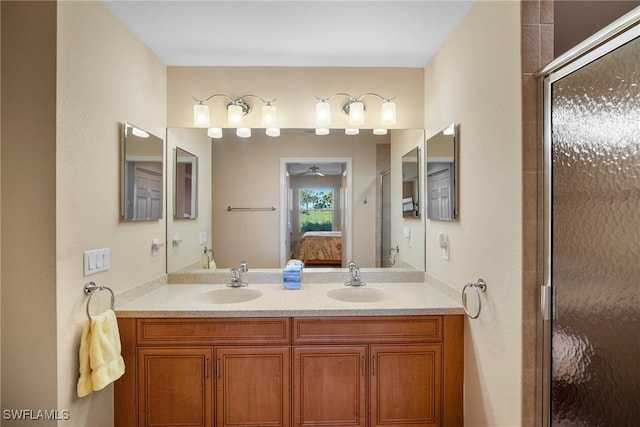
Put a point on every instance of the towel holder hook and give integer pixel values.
(91, 288)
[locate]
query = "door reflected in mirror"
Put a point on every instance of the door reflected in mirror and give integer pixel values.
(441, 175)
(185, 203)
(411, 184)
(142, 175)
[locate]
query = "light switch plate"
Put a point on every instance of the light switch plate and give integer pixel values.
(96, 260)
(203, 237)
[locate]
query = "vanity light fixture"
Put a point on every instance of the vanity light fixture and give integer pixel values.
(355, 109)
(137, 131)
(236, 110)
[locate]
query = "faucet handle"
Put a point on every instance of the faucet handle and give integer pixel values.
(244, 267)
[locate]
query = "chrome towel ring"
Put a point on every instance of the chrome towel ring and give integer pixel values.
(91, 288)
(480, 285)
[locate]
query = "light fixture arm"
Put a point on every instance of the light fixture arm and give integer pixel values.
(353, 98)
(376, 95)
(236, 101)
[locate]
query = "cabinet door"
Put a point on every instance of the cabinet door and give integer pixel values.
(406, 385)
(253, 386)
(330, 386)
(174, 387)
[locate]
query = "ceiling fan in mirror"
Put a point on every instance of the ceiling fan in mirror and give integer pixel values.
(313, 170)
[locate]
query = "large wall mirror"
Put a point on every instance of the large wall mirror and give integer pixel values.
(142, 175)
(185, 174)
(441, 175)
(411, 184)
(248, 186)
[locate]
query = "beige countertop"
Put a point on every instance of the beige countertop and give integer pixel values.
(197, 300)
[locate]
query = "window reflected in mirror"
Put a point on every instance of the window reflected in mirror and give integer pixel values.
(441, 175)
(185, 204)
(142, 175)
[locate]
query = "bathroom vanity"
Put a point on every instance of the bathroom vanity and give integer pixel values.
(397, 361)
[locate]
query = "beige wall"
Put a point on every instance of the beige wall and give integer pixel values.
(296, 89)
(189, 251)
(29, 359)
(411, 249)
(474, 80)
(246, 174)
(105, 76)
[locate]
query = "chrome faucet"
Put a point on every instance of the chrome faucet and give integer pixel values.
(236, 279)
(355, 276)
(351, 266)
(237, 276)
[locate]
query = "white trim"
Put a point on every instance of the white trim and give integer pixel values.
(613, 30)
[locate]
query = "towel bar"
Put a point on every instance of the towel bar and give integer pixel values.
(90, 289)
(231, 208)
(479, 286)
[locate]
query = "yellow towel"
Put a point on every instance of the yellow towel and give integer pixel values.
(100, 360)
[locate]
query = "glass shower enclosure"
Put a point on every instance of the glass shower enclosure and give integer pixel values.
(591, 294)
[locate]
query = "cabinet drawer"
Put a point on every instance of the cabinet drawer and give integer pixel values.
(213, 331)
(367, 330)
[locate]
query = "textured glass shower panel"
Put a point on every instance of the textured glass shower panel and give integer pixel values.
(596, 243)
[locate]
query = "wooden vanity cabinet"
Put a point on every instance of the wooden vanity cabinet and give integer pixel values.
(330, 385)
(394, 378)
(204, 372)
(174, 386)
(253, 386)
(377, 371)
(406, 385)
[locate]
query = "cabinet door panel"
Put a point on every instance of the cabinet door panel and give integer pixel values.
(174, 387)
(406, 385)
(253, 386)
(330, 386)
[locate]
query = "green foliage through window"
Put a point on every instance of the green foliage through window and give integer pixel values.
(316, 209)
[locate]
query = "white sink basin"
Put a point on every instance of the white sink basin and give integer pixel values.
(230, 295)
(358, 294)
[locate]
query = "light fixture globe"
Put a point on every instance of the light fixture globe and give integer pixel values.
(388, 116)
(235, 115)
(243, 132)
(352, 131)
(201, 117)
(356, 113)
(269, 116)
(273, 132)
(214, 133)
(322, 131)
(380, 131)
(323, 114)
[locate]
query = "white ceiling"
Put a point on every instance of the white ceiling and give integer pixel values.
(348, 33)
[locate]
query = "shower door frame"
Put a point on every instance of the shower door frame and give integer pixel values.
(600, 44)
